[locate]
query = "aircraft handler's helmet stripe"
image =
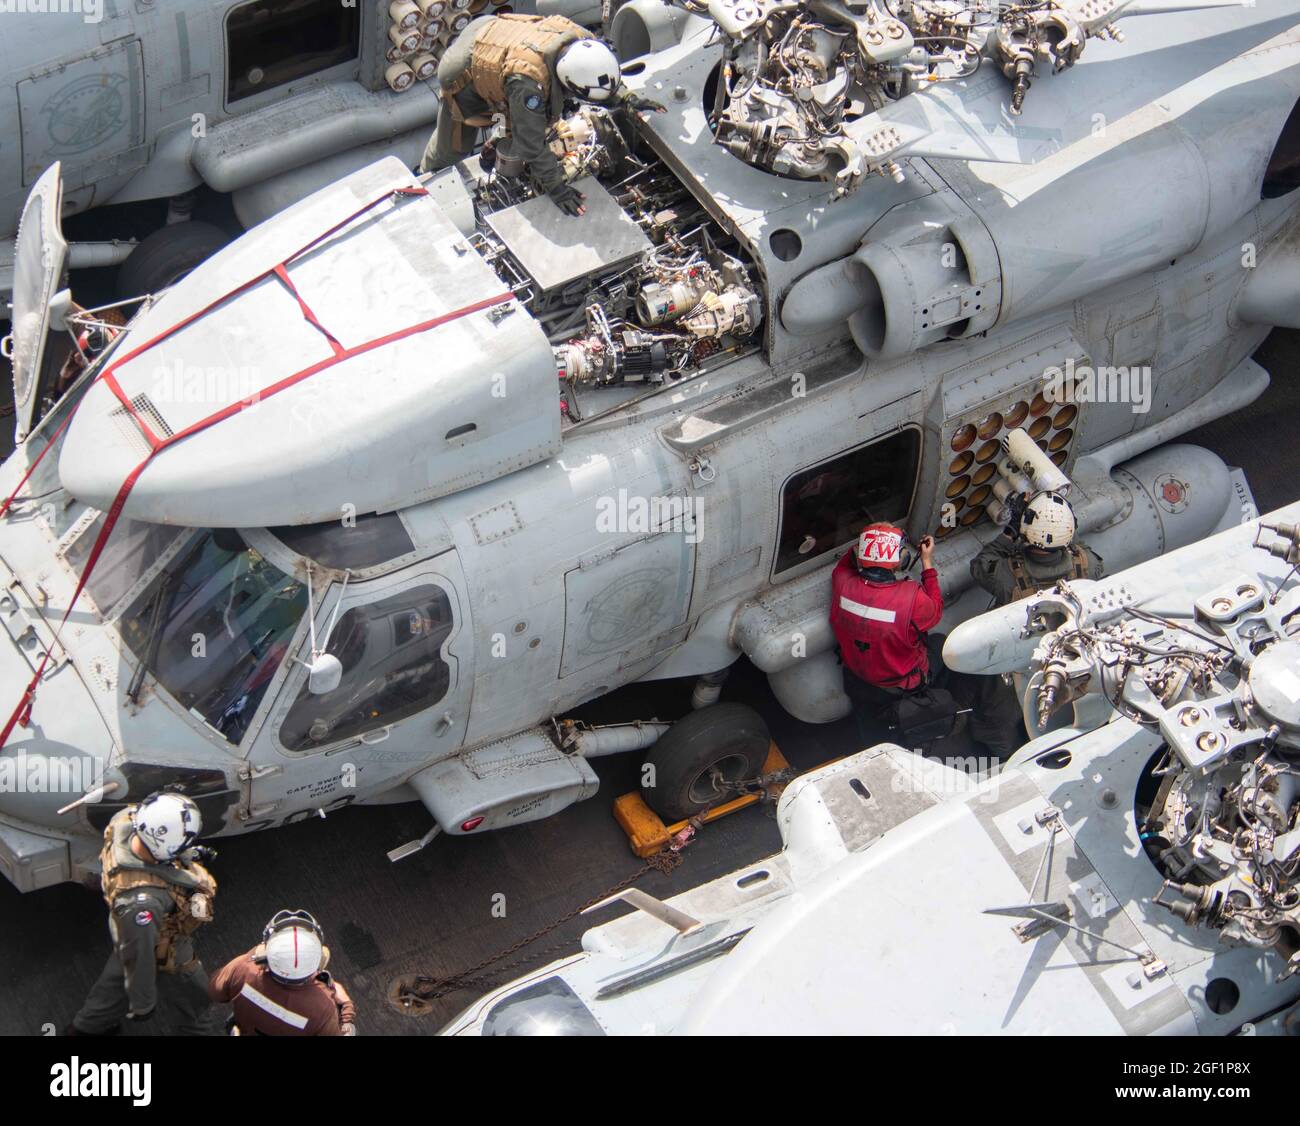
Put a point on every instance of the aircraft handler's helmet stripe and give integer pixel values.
(588, 69)
(1048, 521)
(294, 946)
(880, 545)
(167, 823)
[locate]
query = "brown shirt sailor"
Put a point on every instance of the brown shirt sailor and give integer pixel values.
(266, 1007)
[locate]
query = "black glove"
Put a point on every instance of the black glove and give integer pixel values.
(568, 199)
(1016, 504)
(645, 105)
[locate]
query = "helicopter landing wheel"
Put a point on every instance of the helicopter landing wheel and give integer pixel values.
(167, 255)
(698, 761)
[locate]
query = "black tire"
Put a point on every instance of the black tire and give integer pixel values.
(167, 255)
(729, 738)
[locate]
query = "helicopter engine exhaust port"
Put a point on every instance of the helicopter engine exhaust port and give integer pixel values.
(641, 27)
(703, 760)
(931, 277)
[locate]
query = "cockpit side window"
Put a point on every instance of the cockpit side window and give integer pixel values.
(366, 541)
(824, 507)
(1282, 175)
(214, 627)
(274, 42)
(391, 653)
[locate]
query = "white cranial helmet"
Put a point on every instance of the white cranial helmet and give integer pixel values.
(167, 823)
(589, 70)
(1048, 521)
(294, 945)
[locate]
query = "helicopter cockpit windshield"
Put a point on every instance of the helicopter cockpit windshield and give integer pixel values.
(214, 627)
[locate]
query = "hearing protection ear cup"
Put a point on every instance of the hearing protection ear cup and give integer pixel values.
(259, 953)
(324, 958)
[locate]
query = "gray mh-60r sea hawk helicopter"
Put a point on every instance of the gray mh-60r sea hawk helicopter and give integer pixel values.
(344, 536)
(1133, 869)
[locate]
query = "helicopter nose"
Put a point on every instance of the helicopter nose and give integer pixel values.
(38, 844)
(38, 780)
(60, 755)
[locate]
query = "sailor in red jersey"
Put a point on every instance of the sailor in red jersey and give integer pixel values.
(882, 619)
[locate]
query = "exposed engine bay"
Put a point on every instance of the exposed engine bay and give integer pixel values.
(1222, 691)
(795, 73)
(643, 289)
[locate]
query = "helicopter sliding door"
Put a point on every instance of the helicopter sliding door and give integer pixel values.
(402, 699)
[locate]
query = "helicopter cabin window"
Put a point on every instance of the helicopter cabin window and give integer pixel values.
(214, 627)
(391, 653)
(273, 42)
(824, 507)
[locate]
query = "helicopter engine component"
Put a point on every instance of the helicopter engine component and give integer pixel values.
(669, 300)
(795, 75)
(926, 272)
(607, 356)
(642, 26)
(1221, 691)
(588, 143)
(955, 263)
(735, 310)
(1233, 852)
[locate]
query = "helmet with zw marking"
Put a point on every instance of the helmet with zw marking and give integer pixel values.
(880, 545)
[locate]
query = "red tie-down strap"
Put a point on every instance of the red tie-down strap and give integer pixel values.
(22, 713)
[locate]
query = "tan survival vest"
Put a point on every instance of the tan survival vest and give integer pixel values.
(190, 888)
(515, 45)
(1025, 586)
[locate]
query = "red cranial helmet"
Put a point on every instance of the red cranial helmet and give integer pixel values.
(880, 545)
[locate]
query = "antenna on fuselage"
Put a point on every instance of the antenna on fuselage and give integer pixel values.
(324, 670)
